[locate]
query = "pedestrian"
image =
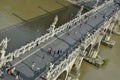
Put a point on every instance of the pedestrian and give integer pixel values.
(61, 52)
(8, 66)
(0, 73)
(75, 32)
(37, 70)
(50, 50)
(12, 71)
(17, 75)
(95, 16)
(66, 55)
(37, 44)
(103, 16)
(33, 66)
(68, 33)
(54, 52)
(42, 56)
(58, 52)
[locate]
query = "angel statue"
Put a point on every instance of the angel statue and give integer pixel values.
(52, 27)
(3, 46)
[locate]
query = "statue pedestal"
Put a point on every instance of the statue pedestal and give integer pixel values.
(2, 54)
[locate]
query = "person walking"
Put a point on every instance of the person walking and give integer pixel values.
(54, 52)
(58, 52)
(50, 50)
(33, 66)
(17, 75)
(12, 71)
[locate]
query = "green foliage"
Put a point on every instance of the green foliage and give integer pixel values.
(105, 62)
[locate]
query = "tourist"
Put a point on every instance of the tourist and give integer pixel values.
(55, 52)
(103, 16)
(12, 71)
(50, 50)
(8, 66)
(68, 33)
(61, 52)
(3, 74)
(37, 70)
(95, 16)
(58, 52)
(42, 56)
(33, 66)
(0, 73)
(37, 44)
(75, 32)
(17, 75)
(66, 55)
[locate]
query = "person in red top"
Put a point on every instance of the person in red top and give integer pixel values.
(12, 71)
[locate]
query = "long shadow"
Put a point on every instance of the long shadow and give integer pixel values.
(27, 65)
(60, 4)
(14, 14)
(43, 50)
(45, 10)
(39, 55)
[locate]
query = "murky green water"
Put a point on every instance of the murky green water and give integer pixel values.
(111, 71)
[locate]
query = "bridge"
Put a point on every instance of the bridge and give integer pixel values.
(53, 55)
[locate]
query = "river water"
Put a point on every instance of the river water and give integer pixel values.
(36, 18)
(110, 71)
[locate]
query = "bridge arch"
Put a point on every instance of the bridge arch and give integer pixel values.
(76, 67)
(88, 49)
(63, 75)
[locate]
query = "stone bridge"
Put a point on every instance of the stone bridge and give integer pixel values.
(78, 39)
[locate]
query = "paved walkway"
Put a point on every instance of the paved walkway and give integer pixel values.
(61, 41)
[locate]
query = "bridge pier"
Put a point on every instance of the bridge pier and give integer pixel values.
(75, 68)
(63, 76)
(93, 49)
(116, 28)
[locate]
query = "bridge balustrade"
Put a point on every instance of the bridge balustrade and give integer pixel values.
(58, 68)
(61, 63)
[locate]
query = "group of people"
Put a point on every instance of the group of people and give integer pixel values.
(51, 51)
(8, 69)
(33, 67)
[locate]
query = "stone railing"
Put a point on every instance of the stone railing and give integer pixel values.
(63, 62)
(45, 37)
(89, 38)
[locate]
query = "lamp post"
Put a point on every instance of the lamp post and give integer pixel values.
(3, 46)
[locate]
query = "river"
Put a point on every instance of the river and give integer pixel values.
(31, 27)
(110, 71)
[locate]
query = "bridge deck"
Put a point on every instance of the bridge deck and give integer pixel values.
(61, 41)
